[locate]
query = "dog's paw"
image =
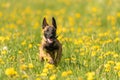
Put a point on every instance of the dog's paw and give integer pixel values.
(51, 62)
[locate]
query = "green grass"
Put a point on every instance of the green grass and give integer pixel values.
(88, 31)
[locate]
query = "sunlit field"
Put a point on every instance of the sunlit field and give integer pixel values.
(89, 31)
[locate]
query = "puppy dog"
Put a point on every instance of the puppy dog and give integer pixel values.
(51, 48)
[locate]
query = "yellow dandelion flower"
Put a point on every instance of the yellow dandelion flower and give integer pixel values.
(115, 55)
(107, 67)
(90, 75)
(30, 46)
(45, 70)
(118, 14)
(10, 72)
(49, 66)
(23, 67)
(30, 66)
(69, 72)
(20, 52)
(80, 78)
(77, 15)
(93, 53)
(53, 77)
(0, 14)
(117, 66)
(4, 52)
(1, 61)
(94, 9)
(43, 74)
(23, 43)
(25, 76)
(116, 39)
(110, 62)
(119, 73)
(64, 74)
(38, 79)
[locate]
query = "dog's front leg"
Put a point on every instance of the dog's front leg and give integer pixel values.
(41, 54)
(59, 55)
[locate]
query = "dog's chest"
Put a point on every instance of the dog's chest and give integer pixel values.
(51, 47)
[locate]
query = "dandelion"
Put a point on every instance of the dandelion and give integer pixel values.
(117, 66)
(38, 79)
(23, 43)
(25, 76)
(23, 67)
(90, 75)
(43, 74)
(49, 66)
(77, 15)
(53, 77)
(20, 52)
(1, 61)
(3, 52)
(64, 74)
(69, 72)
(118, 14)
(30, 46)
(10, 72)
(107, 67)
(30, 66)
(45, 70)
(119, 73)
(0, 14)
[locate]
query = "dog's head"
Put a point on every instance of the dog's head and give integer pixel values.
(49, 31)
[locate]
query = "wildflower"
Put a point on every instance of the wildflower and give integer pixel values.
(107, 67)
(90, 75)
(94, 9)
(45, 70)
(119, 73)
(53, 77)
(77, 15)
(116, 39)
(80, 78)
(25, 76)
(23, 43)
(69, 72)
(117, 66)
(1, 61)
(30, 46)
(20, 52)
(118, 14)
(49, 66)
(38, 79)
(93, 53)
(64, 74)
(23, 67)
(3, 52)
(30, 66)
(0, 14)
(43, 74)
(10, 72)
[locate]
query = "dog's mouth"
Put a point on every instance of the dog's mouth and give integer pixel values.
(50, 40)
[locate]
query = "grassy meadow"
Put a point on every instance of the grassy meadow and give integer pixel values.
(89, 31)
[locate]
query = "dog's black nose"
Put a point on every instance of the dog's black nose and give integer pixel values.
(51, 37)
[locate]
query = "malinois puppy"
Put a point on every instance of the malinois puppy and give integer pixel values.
(51, 48)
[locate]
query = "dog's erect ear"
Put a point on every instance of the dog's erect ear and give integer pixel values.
(54, 22)
(44, 23)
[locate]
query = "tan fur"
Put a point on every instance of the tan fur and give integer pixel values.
(52, 57)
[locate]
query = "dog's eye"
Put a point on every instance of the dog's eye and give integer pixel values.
(47, 30)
